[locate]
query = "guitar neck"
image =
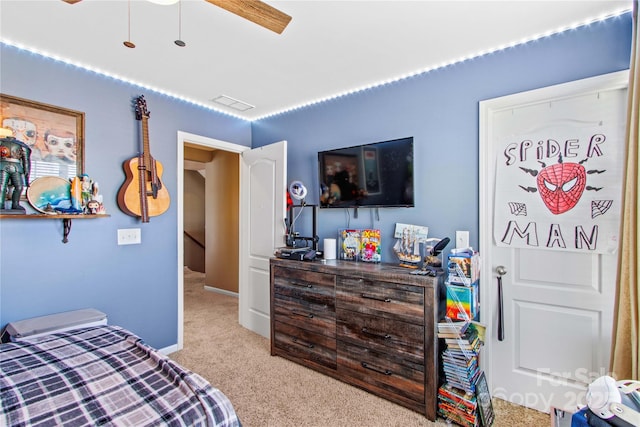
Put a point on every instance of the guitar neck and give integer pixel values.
(146, 153)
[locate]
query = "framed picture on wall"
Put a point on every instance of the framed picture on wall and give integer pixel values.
(54, 134)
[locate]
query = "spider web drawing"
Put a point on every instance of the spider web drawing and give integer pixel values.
(518, 209)
(600, 207)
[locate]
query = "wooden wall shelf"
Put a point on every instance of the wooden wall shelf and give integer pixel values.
(66, 220)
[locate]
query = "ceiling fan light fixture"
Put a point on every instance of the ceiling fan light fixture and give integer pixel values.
(128, 43)
(179, 41)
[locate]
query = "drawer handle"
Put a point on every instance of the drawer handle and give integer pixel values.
(301, 284)
(376, 298)
(304, 344)
(310, 315)
(375, 369)
(376, 334)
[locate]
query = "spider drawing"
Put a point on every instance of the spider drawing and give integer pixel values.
(561, 185)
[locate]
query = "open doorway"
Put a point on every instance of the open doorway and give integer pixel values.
(212, 215)
(220, 160)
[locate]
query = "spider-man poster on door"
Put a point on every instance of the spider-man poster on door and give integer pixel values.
(558, 187)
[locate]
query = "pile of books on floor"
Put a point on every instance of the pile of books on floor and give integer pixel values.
(457, 397)
(458, 406)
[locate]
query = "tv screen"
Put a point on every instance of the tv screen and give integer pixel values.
(371, 175)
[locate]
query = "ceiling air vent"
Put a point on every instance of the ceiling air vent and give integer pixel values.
(227, 101)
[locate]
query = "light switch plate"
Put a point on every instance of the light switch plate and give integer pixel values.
(129, 236)
(462, 239)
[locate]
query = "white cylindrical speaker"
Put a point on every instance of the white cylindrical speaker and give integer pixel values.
(329, 247)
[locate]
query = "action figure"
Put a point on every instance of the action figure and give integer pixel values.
(15, 167)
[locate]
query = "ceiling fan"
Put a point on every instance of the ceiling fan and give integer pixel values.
(255, 11)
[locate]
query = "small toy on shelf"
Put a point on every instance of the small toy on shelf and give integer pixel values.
(86, 188)
(85, 197)
(76, 196)
(15, 167)
(93, 204)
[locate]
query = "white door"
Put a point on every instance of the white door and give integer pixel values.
(262, 215)
(557, 306)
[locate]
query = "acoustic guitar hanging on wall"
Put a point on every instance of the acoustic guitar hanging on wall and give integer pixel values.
(142, 194)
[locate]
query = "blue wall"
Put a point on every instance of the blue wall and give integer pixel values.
(440, 110)
(135, 285)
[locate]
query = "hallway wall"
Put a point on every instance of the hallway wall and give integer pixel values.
(194, 220)
(222, 221)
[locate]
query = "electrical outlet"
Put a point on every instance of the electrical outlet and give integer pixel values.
(129, 236)
(462, 239)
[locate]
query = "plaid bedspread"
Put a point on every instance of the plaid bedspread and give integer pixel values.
(103, 375)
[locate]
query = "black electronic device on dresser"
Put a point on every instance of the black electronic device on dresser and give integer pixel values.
(373, 326)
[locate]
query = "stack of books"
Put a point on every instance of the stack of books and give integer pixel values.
(458, 406)
(452, 328)
(457, 396)
(460, 360)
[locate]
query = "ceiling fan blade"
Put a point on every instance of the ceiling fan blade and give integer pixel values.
(255, 11)
(72, 1)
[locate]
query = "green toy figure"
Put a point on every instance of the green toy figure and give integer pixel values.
(15, 167)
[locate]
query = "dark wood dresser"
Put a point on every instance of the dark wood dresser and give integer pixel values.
(370, 325)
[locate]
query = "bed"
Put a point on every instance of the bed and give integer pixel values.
(103, 375)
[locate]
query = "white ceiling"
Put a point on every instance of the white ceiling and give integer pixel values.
(329, 48)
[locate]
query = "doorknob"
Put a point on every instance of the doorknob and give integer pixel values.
(501, 270)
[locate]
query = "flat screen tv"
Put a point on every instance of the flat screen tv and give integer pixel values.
(379, 174)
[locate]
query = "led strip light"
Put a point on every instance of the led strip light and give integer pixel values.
(92, 69)
(574, 26)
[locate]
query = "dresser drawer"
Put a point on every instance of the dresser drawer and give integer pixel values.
(304, 344)
(373, 369)
(306, 285)
(389, 300)
(319, 318)
(396, 338)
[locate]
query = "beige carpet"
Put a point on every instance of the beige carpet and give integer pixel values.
(271, 391)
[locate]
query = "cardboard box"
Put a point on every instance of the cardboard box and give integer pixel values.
(462, 299)
(466, 264)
